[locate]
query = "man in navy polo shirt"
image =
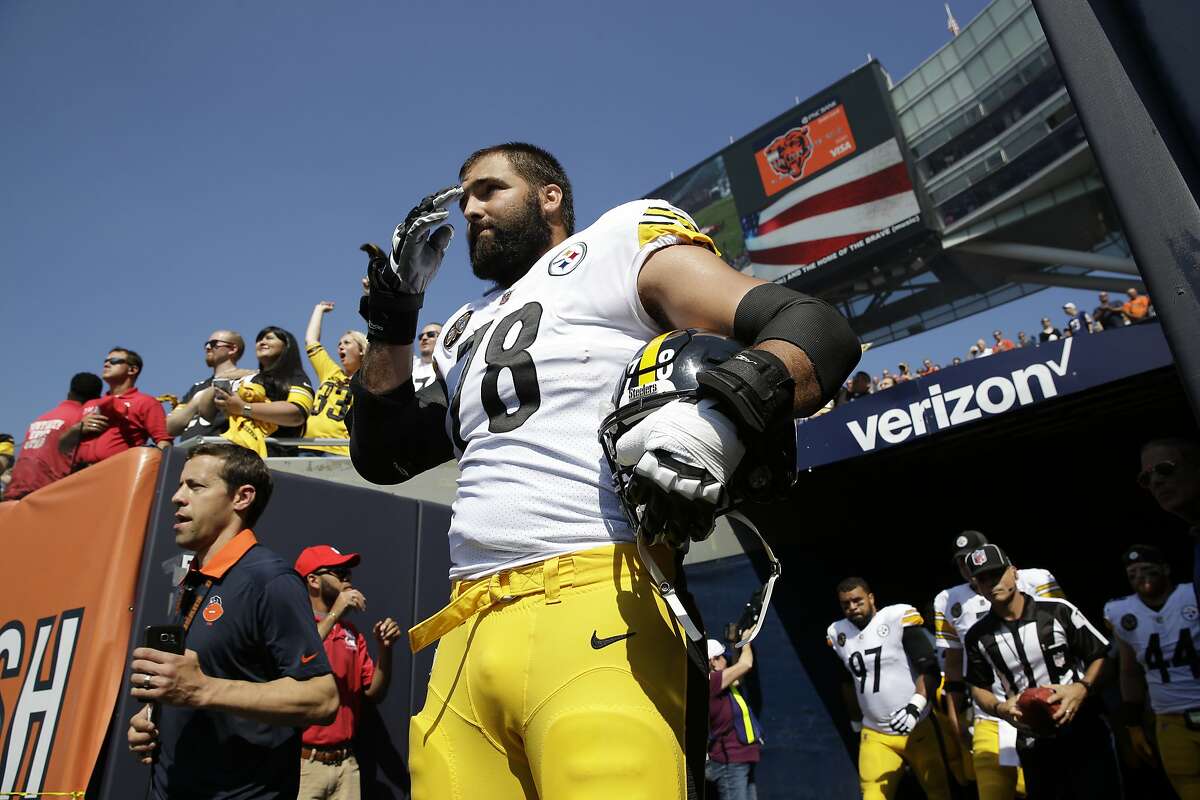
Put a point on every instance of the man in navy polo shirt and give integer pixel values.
(254, 670)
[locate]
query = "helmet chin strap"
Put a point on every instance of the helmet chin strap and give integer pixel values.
(671, 597)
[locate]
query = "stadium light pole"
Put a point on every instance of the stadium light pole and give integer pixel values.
(1130, 68)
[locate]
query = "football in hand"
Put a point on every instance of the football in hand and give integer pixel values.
(1037, 712)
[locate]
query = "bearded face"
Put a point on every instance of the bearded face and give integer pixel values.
(504, 248)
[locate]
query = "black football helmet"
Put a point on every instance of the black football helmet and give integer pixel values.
(665, 370)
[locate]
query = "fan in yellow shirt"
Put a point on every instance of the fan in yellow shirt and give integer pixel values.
(328, 417)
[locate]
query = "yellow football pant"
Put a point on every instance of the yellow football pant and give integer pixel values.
(1180, 751)
(882, 756)
(993, 780)
(535, 695)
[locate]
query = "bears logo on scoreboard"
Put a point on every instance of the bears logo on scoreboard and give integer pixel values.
(787, 154)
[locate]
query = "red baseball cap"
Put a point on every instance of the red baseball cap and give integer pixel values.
(314, 558)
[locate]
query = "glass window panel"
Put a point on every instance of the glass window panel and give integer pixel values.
(933, 70)
(983, 27)
(914, 83)
(944, 98)
(948, 58)
(961, 84)
(964, 43)
(996, 55)
(978, 71)
(925, 112)
(1033, 25)
(899, 96)
(908, 123)
(1017, 38)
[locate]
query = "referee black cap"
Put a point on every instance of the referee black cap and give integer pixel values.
(967, 541)
(987, 558)
(1147, 553)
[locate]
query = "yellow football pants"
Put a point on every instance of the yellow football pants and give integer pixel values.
(1180, 751)
(563, 679)
(882, 756)
(993, 780)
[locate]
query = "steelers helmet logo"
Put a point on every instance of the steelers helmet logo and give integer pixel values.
(456, 331)
(566, 260)
(841, 639)
(1129, 621)
(960, 541)
(1189, 613)
(883, 631)
(956, 610)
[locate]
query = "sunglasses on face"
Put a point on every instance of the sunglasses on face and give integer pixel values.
(116, 361)
(428, 335)
(213, 344)
(340, 574)
(1163, 469)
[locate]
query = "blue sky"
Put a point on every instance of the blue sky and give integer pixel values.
(171, 168)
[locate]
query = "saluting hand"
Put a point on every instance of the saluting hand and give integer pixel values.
(387, 632)
(167, 678)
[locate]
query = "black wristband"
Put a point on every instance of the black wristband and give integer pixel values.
(754, 386)
(392, 317)
(957, 687)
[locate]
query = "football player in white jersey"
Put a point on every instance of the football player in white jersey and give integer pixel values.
(992, 741)
(1157, 630)
(560, 672)
(894, 670)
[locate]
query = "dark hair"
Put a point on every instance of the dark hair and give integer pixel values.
(240, 467)
(866, 376)
(537, 167)
(850, 584)
(286, 370)
(133, 359)
(85, 386)
(1188, 448)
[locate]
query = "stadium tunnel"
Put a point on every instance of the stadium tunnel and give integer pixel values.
(1052, 482)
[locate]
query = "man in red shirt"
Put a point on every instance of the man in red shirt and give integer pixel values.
(123, 418)
(1002, 344)
(40, 462)
(328, 769)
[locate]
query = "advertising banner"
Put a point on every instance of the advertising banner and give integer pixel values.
(72, 551)
(976, 390)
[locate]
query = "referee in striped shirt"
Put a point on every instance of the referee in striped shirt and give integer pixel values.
(1032, 642)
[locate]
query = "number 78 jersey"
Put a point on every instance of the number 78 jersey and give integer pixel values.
(884, 680)
(528, 371)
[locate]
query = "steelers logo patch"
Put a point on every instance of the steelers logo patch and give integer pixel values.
(456, 331)
(1129, 621)
(883, 631)
(1189, 613)
(566, 260)
(956, 610)
(960, 541)
(841, 639)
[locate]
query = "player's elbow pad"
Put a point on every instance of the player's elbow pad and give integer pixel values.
(770, 311)
(920, 651)
(399, 434)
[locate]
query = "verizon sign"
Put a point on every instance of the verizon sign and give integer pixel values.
(979, 389)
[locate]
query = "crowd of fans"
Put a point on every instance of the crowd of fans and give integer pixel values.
(270, 407)
(1107, 315)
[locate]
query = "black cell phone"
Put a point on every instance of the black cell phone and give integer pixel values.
(224, 384)
(168, 638)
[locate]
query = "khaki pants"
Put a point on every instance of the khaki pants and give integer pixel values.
(329, 781)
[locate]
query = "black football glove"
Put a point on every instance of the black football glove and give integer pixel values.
(397, 281)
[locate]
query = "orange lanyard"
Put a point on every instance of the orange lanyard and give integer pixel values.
(200, 598)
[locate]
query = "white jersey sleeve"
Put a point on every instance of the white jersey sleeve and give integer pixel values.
(528, 371)
(884, 680)
(1164, 641)
(945, 635)
(1039, 583)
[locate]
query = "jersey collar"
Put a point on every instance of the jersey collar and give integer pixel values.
(229, 554)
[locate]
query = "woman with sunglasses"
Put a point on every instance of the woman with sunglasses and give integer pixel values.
(331, 411)
(280, 404)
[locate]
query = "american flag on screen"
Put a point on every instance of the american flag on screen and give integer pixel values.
(836, 209)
